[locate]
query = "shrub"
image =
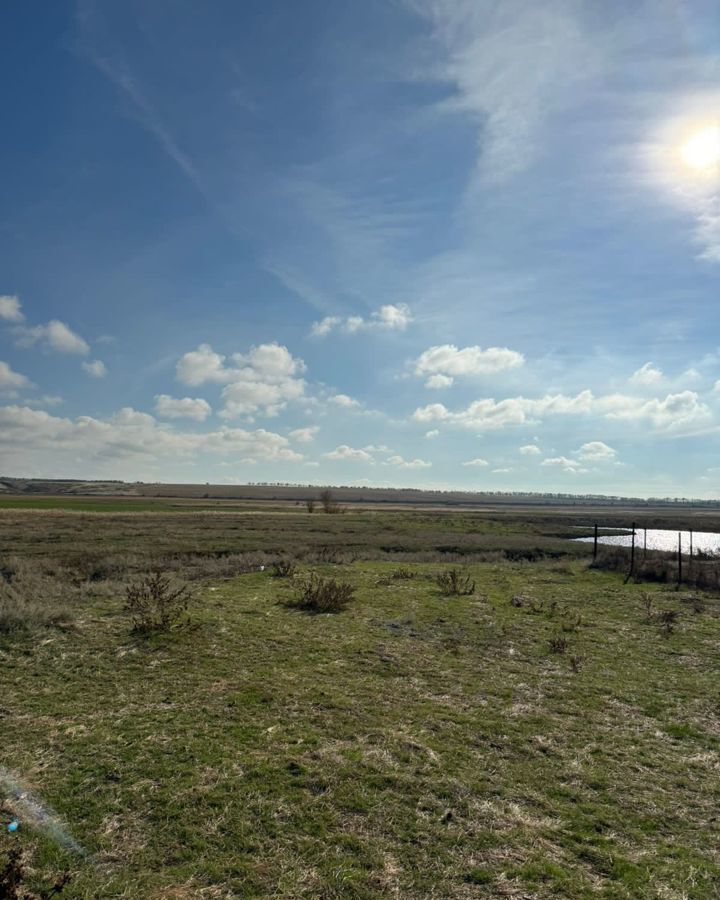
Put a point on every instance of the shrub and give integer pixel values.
(156, 604)
(576, 664)
(558, 643)
(667, 619)
(323, 595)
(284, 568)
(402, 574)
(453, 582)
(329, 503)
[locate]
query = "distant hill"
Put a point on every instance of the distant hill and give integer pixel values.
(342, 493)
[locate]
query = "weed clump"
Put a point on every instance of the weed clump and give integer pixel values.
(454, 583)
(284, 568)
(402, 573)
(558, 643)
(323, 595)
(157, 604)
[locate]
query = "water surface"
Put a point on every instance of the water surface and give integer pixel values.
(662, 539)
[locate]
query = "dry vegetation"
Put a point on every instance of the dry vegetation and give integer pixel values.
(547, 732)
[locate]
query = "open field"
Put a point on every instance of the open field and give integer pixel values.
(555, 733)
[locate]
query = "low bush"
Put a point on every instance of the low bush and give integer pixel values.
(323, 595)
(284, 568)
(455, 583)
(157, 604)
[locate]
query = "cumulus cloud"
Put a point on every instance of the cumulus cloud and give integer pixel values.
(168, 407)
(504, 471)
(390, 317)
(11, 380)
(262, 381)
(571, 466)
(674, 413)
(10, 309)
(130, 435)
(95, 369)
(433, 433)
(489, 414)
(401, 463)
(595, 451)
(479, 462)
(349, 453)
(444, 362)
(304, 435)
(530, 450)
(344, 401)
(54, 334)
(646, 376)
(439, 382)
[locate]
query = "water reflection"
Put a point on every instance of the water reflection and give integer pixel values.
(662, 539)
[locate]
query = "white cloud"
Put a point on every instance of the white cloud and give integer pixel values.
(325, 326)
(304, 435)
(349, 453)
(201, 366)
(407, 463)
(44, 400)
(95, 369)
(54, 334)
(168, 407)
(130, 435)
(530, 450)
(439, 382)
(11, 380)
(390, 317)
(479, 462)
(646, 376)
(433, 433)
(10, 309)
(262, 381)
(344, 401)
(448, 360)
(675, 413)
(595, 451)
(489, 414)
(570, 466)
(500, 471)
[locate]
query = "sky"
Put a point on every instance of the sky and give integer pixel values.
(435, 243)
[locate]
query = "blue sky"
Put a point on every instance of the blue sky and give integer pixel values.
(450, 243)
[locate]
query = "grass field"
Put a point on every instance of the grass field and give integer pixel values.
(546, 736)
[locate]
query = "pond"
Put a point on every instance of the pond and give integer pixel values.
(662, 539)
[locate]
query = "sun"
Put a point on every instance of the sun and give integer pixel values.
(702, 151)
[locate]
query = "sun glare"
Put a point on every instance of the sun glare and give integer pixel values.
(702, 151)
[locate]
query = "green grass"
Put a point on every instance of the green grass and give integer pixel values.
(411, 746)
(83, 504)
